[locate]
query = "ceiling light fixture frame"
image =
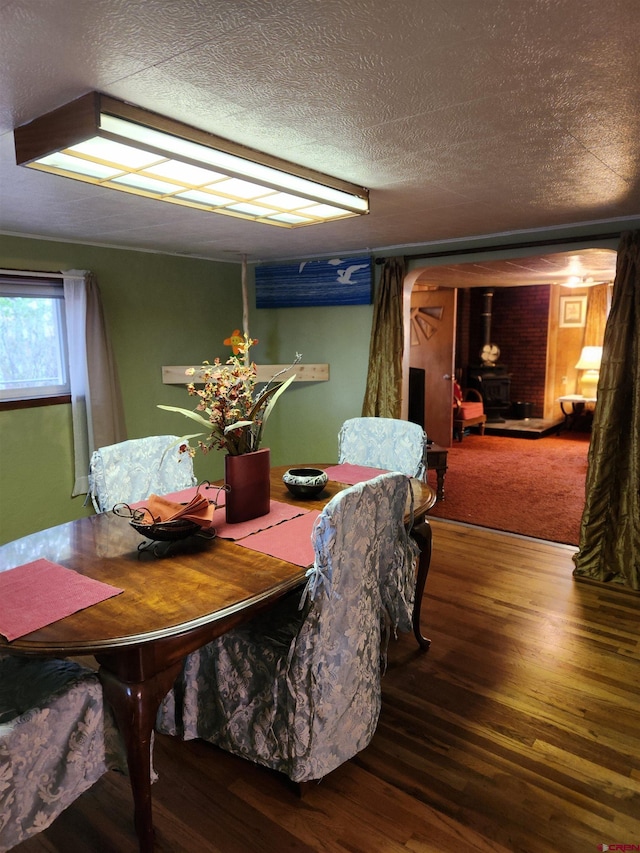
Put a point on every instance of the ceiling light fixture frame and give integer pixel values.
(64, 141)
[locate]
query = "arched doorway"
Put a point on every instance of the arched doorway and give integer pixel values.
(557, 346)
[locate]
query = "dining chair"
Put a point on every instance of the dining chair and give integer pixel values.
(468, 411)
(297, 689)
(388, 443)
(132, 470)
(57, 738)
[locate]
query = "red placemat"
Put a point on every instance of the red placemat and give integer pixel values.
(352, 474)
(39, 593)
(290, 541)
(278, 513)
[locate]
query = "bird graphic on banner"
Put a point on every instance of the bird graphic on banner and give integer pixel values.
(344, 276)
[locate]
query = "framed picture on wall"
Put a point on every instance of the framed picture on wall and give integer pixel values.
(573, 311)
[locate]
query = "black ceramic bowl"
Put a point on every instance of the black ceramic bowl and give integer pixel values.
(305, 482)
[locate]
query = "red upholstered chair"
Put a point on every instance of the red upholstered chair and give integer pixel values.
(468, 410)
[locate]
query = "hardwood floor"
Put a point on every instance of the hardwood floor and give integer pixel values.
(519, 730)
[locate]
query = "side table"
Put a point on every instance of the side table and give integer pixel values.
(437, 460)
(579, 407)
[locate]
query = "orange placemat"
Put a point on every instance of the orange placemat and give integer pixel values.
(159, 509)
(39, 593)
(211, 493)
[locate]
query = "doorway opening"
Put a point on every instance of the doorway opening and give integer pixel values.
(538, 345)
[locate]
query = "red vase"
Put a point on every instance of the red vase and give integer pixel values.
(248, 486)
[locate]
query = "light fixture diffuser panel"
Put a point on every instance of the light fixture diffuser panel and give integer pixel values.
(109, 143)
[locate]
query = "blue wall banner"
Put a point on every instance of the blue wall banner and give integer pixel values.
(338, 281)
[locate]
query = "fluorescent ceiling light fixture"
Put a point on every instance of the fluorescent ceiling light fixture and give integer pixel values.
(109, 143)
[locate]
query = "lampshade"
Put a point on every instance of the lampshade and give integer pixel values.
(590, 358)
(109, 143)
(589, 362)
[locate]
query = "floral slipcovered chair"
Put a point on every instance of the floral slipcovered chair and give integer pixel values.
(56, 739)
(388, 443)
(132, 470)
(298, 688)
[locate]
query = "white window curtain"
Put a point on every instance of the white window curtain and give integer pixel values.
(96, 400)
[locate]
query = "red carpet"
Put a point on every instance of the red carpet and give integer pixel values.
(534, 487)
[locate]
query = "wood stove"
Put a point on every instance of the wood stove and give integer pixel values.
(489, 377)
(494, 383)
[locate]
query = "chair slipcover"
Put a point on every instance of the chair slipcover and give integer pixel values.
(132, 470)
(387, 443)
(298, 690)
(56, 739)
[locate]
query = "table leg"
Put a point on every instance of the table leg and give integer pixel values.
(135, 706)
(437, 460)
(422, 533)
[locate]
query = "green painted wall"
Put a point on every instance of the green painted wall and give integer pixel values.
(163, 310)
(304, 425)
(159, 310)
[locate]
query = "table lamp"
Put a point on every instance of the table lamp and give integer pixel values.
(589, 362)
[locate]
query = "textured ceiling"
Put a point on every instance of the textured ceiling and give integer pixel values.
(578, 269)
(462, 117)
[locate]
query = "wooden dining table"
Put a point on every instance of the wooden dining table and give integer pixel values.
(171, 605)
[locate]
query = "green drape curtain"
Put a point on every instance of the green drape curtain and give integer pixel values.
(610, 528)
(383, 393)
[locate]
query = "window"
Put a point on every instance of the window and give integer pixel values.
(33, 340)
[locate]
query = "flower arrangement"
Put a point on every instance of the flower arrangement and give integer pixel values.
(228, 406)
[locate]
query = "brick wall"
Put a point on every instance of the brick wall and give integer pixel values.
(519, 326)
